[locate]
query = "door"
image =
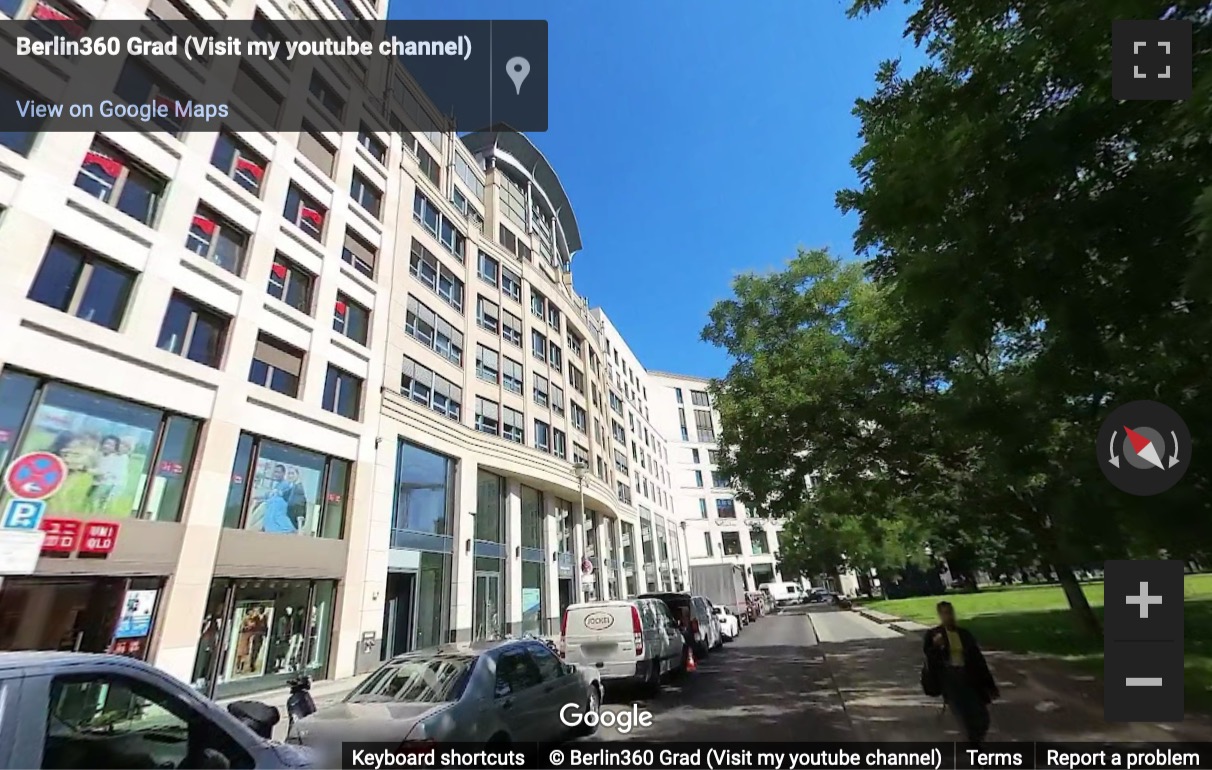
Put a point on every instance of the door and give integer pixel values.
(487, 606)
(518, 695)
(398, 612)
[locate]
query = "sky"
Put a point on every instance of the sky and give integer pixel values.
(696, 141)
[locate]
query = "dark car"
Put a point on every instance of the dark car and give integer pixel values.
(683, 609)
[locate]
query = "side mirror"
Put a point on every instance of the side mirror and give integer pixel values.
(569, 669)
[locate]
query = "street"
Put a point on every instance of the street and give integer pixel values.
(820, 674)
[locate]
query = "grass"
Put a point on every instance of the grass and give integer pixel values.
(1036, 619)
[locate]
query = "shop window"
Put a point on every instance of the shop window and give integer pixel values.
(84, 284)
(111, 177)
(259, 632)
(237, 161)
(123, 459)
(284, 489)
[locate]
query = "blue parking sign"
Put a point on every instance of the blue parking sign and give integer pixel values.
(23, 514)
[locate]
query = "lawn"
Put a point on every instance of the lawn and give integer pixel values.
(1036, 619)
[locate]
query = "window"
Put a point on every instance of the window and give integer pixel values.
(718, 480)
(351, 319)
(702, 423)
(553, 316)
(217, 240)
(264, 29)
(694, 456)
(138, 84)
(487, 416)
(538, 304)
(20, 142)
(538, 344)
(112, 178)
(731, 542)
(555, 357)
(616, 403)
(124, 710)
(511, 328)
(511, 284)
(707, 539)
(285, 489)
(326, 95)
(758, 545)
(421, 384)
(678, 393)
(574, 343)
(559, 443)
(433, 331)
(542, 438)
(234, 158)
(425, 266)
(557, 399)
(314, 147)
(276, 366)
(580, 455)
(257, 97)
(488, 268)
(290, 283)
(725, 509)
(578, 417)
(342, 393)
(83, 284)
(540, 390)
(429, 166)
(513, 428)
(699, 398)
(620, 463)
(698, 479)
(425, 212)
(453, 239)
(577, 379)
(372, 143)
(465, 172)
(424, 495)
(359, 253)
(194, 331)
(304, 212)
(366, 195)
(703, 507)
(487, 364)
(713, 456)
(512, 376)
(487, 314)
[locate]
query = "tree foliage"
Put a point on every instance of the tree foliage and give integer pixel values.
(1037, 253)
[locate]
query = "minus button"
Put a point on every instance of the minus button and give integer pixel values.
(1143, 681)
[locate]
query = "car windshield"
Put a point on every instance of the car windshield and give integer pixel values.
(415, 680)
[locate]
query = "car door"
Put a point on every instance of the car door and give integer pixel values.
(116, 717)
(558, 687)
(671, 633)
(517, 695)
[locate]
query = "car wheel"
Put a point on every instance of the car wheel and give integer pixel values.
(593, 705)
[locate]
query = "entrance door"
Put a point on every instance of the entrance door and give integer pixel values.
(398, 614)
(487, 606)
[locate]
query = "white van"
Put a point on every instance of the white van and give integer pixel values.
(634, 640)
(783, 594)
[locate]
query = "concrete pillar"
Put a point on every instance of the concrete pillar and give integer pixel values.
(513, 561)
(599, 533)
(551, 567)
(463, 568)
(578, 549)
(619, 577)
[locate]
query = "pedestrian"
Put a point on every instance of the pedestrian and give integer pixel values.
(954, 661)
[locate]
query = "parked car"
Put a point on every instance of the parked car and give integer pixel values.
(783, 594)
(636, 641)
(693, 613)
(482, 692)
(80, 710)
(821, 596)
(730, 625)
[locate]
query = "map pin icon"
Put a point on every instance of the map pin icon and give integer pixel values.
(517, 68)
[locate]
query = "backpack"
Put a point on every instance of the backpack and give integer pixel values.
(931, 685)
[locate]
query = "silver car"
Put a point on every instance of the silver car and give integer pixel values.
(485, 692)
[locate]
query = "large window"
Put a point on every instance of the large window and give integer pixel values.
(731, 541)
(758, 545)
(123, 459)
(704, 426)
(488, 594)
(431, 330)
(426, 268)
(280, 488)
(533, 561)
(424, 495)
(83, 284)
(194, 331)
(699, 398)
(113, 178)
(422, 385)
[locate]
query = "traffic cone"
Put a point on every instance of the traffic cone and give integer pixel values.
(690, 664)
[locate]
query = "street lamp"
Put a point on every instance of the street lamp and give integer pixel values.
(580, 469)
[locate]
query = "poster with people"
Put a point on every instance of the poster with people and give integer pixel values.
(107, 460)
(135, 620)
(285, 495)
(248, 648)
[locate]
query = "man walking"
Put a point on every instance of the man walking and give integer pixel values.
(955, 662)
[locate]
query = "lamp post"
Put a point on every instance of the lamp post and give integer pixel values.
(580, 469)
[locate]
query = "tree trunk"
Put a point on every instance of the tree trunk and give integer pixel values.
(1087, 621)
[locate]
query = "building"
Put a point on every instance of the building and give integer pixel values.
(718, 528)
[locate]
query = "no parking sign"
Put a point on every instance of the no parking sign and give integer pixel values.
(35, 476)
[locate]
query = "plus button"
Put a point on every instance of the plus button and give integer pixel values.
(1144, 600)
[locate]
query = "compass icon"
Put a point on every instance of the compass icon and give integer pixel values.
(1144, 448)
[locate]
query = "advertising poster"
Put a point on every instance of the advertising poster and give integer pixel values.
(135, 620)
(531, 601)
(285, 496)
(248, 647)
(107, 460)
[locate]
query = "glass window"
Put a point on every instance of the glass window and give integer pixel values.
(487, 364)
(138, 84)
(532, 518)
(314, 147)
(416, 679)
(487, 315)
(511, 284)
(423, 495)
(326, 95)
(433, 599)
(513, 427)
(351, 319)
(236, 160)
(512, 376)
(285, 489)
(276, 366)
(422, 385)
(511, 328)
(290, 283)
(17, 393)
(490, 507)
(488, 599)
(488, 416)
(360, 254)
(259, 98)
(342, 393)
(123, 459)
(83, 284)
(113, 178)
(532, 599)
(703, 507)
(193, 331)
(217, 240)
(303, 211)
(20, 142)
(366, 194)
(488, 269)
(372, 144)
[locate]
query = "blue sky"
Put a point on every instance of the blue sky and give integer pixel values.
(696, 141)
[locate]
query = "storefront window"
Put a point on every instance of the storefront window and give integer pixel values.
(433, 599)
(123, 459)
(423, 482)
(490, 508)
(532, 597)
(489, 603)
(270, 630)
(532, 518)
(287, 490)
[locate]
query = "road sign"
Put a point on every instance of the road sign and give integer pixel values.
(22, 514)
(19, 551)
(35, 476)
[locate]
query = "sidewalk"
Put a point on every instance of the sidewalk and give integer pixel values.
(324, 693)
(1043, 699)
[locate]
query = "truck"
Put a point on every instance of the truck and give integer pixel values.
(723, 584)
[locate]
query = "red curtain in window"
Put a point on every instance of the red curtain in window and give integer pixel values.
(207, 226)
(111, 166)
(250, 170)
(313, 216)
